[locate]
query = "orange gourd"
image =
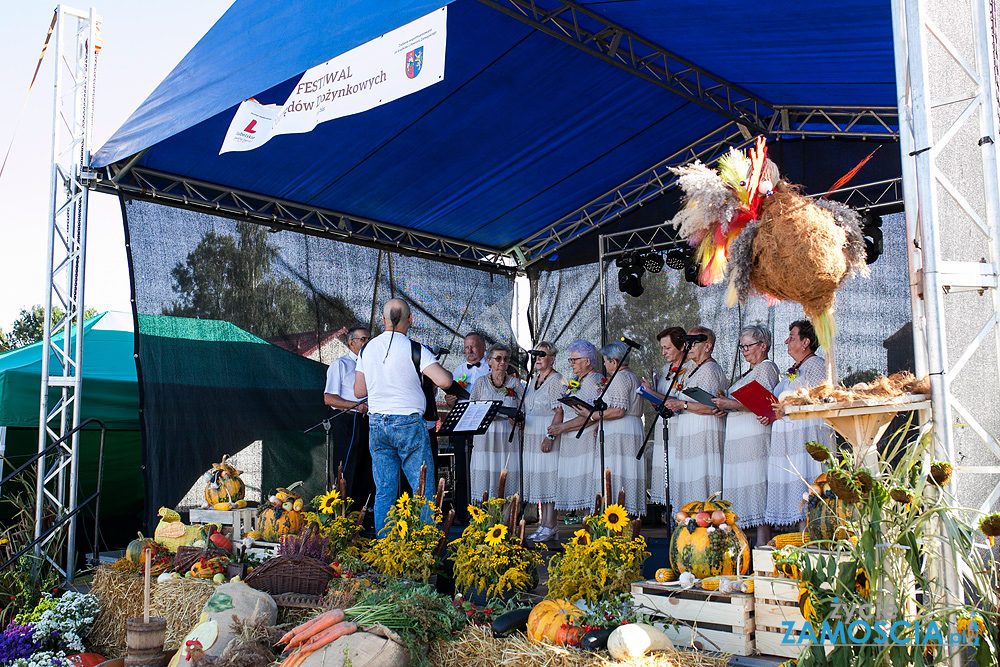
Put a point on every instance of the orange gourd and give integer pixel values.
(549, 617)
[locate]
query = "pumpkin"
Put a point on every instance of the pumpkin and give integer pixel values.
(224, 490)
(709, 551)
(135, 548)
(570, 635)
(85, 660)
(273, 522)
(549, 616)
(207, 568)
(825, 512)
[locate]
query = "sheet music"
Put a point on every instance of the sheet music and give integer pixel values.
(473, 416)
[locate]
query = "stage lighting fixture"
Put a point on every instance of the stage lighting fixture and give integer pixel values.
(653, 262)
(630, 273)
(691, 273)
(871, 227)
(677, 258)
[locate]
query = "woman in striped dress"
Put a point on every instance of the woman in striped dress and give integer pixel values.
(696, 451)
(576, 488)
(744, 473)
(541, 452)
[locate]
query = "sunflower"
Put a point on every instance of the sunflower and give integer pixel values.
(496, 535)
(329, 502)
(581, 538)
(862, 584)
(403, 503)
(817, 451)
(615, 517)
(940, 473)
(990, 525)
(970, 627)
(476, 514)
(402, 528)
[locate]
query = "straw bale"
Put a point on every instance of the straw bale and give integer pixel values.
(476, 647)
(798, 252)
(180, 601)
(881, 388)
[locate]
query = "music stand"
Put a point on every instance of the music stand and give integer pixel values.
(481, 415)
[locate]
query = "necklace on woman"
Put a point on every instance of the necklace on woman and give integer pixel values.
(498, 386)
(793, 372)
(540, 380)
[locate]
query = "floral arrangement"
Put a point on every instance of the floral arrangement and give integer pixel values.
(899, 518)
(411, 536)
(489, 556)
(602, 559)
(52, 629)
(573, 387)
(463, 381)
(337, 524)
(510, 392)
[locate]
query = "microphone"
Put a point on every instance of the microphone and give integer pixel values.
(538, 353)
(631, 343)
(437, 350)
(694, 338)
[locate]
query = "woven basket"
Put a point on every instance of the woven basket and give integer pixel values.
(292, 574)
(188, 556)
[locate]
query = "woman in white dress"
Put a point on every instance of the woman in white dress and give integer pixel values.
(790, 468)
(696, 451)
(744, 471)
(576, 489)
(671, 346)
(623, 433)
(541, 451)
(491, 451)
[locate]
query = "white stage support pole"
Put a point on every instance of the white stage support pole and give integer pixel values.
(77, 43)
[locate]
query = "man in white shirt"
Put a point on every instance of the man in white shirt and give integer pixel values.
(466, 374)
(349, 430)
(398, 438)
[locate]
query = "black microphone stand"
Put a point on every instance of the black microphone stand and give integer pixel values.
(326, 423)
(520, 419)
(600, 406)
(666, 413)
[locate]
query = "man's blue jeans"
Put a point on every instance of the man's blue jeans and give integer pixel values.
(398, 441)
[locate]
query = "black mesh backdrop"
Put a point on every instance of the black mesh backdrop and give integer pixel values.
(210, 292)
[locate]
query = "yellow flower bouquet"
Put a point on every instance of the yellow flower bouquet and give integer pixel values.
(337, 523)
(490, 557)
(411, 535)
(602, 559)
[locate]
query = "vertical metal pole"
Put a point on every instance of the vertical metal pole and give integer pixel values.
(604, 301)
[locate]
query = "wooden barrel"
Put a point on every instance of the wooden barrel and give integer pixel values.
(120, 662)
(145, 640)
(150, 658)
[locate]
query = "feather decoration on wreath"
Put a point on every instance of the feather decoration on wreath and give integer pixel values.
(745, 220)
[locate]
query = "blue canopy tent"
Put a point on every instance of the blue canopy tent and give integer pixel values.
(553, 119)
(544, 108)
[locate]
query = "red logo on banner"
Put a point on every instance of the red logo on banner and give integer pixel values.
(249, 127)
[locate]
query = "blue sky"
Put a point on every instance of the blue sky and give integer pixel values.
(143, 41)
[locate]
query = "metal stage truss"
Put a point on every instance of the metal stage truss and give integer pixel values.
(76, 46)
(172, 190)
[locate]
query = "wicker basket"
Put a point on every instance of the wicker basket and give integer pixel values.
(292, 574)
(188, 556)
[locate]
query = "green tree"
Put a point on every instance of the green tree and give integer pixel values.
(227, 278)
(668, 301)
(29, 327)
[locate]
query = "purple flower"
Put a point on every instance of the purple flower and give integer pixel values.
(17, 642)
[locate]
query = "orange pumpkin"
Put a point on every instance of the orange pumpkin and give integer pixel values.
(711, 546)
(570, 635)
(549, 617)
(135, 548)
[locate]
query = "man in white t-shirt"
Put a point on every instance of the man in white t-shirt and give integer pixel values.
(398, 437)
(466, 374)
(349, 430)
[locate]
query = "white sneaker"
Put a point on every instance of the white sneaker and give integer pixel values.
(543, 535)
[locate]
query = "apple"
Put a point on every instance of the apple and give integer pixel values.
(718, 517)
(703, 519)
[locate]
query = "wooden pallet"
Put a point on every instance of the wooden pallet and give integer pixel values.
(706, 620)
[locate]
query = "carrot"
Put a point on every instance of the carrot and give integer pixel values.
(323, 621)
(328, 635)
(296, 659)
(291, 635)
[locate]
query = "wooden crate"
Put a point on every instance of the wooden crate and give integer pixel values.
(242, 521)
(706, 620)
(776, 600)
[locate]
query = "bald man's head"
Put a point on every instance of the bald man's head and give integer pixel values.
(396, 315)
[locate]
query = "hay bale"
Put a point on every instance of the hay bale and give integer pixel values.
(798, 252)
(476, 647)
(120, 596)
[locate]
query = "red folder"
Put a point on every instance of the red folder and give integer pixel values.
(757, 400)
